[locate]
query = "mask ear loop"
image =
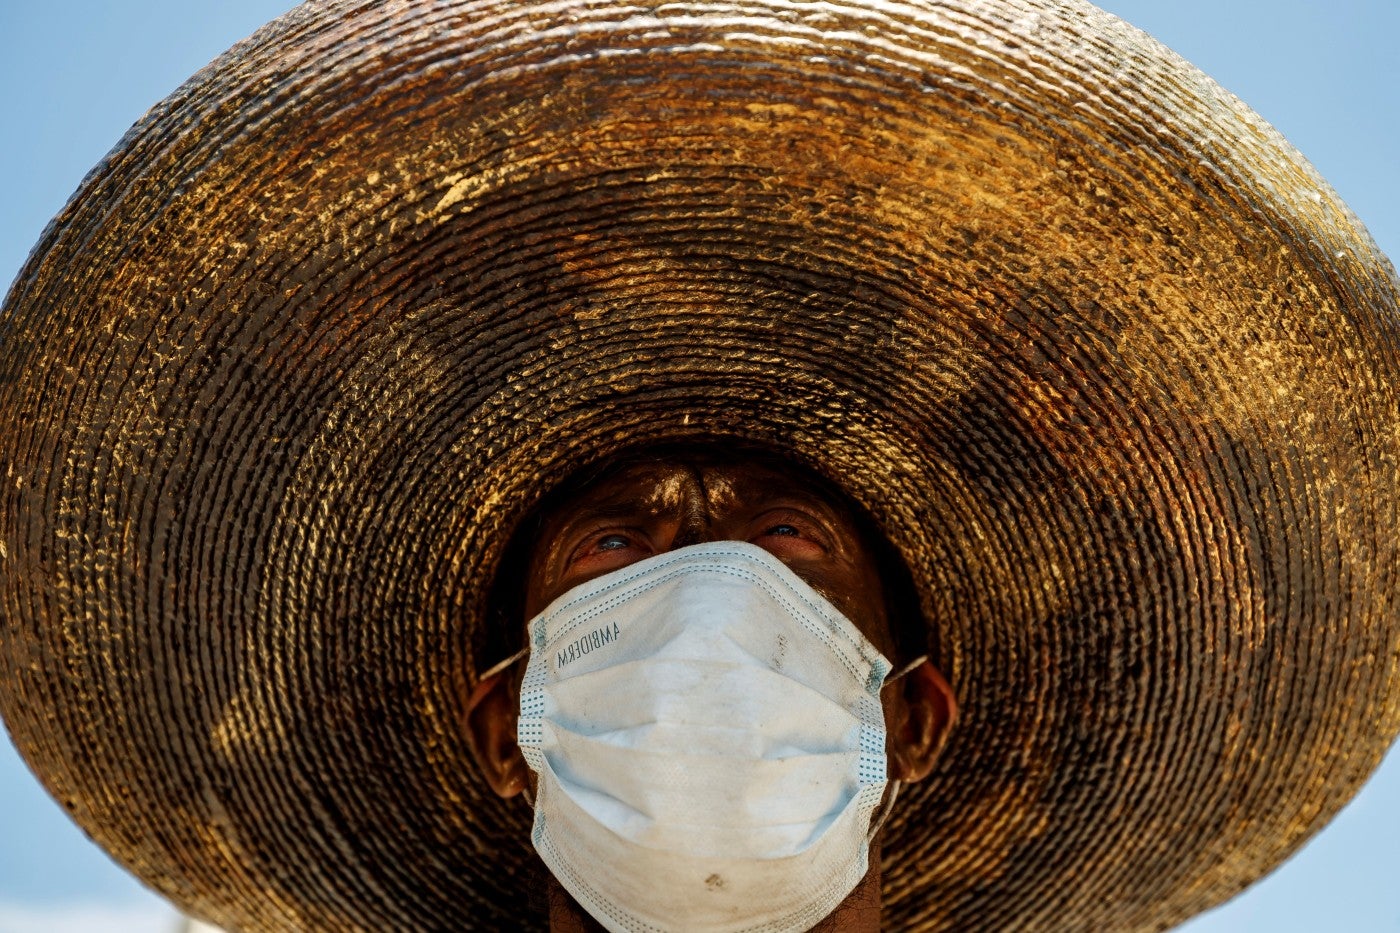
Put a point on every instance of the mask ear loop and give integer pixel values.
(906, 669)
(501, 667)
(885, 811)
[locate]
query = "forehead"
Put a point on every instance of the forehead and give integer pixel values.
(713, 483)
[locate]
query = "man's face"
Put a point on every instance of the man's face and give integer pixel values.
(652, 506)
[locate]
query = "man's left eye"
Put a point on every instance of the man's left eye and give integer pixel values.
(795, 539)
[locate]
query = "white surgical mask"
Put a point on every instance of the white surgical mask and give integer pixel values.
(709, 741)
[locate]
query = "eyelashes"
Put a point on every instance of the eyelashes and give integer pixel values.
(791, 536)
(612, 542)
(786, 533)
(609, 537)
(793, 524)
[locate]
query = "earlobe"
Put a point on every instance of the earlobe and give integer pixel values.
(491, 721)
(918, 735)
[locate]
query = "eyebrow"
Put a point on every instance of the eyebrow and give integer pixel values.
(613, 508)
(606, 510)
(799, 500)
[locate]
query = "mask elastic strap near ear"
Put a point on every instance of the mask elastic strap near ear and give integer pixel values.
(879, 822)
(906, 669)
(496, 668)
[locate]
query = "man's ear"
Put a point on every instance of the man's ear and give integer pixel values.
(923, 723)
(491, 719)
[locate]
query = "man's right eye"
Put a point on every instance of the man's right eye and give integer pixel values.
(602, 551)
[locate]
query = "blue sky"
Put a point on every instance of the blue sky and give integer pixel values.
(76, 74)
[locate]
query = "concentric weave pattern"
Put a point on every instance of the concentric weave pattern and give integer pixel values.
(1108, 363)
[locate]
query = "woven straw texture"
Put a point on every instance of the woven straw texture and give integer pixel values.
(1109, 364)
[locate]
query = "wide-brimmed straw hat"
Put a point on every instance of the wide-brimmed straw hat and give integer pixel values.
(1106, 362)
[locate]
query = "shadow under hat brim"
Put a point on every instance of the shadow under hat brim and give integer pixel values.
(1107, 363)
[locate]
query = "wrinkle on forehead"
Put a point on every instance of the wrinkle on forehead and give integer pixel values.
(657, 489)
(727, 488)
(681, 490)
(718, 489)
(693, 506)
